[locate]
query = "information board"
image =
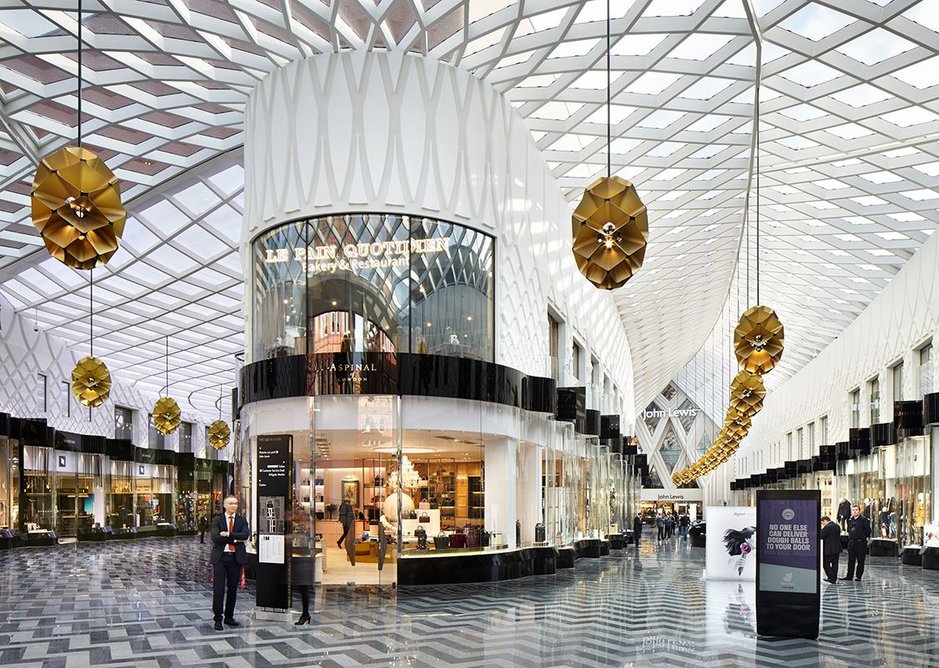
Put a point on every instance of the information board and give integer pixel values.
(274, 466)
(788, 557)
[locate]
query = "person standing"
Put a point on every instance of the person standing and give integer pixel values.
(203, 527)
(830, 536)
(346, 518)
(660, 525)
(859, 531)
(229, 533)
(683, 523)
(637, 530)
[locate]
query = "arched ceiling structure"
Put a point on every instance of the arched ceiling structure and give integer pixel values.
(849, 126)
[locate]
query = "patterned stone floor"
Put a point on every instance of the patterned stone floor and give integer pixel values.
(146, 604)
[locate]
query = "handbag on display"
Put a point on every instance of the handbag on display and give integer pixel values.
(423, 505)
(472, 536)
(412, 515)
(540, 533)
(421, 537)
(484, 539)
(379, 481)
(424, 518)
(441, 541)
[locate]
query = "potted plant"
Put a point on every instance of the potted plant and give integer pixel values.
(330, 509)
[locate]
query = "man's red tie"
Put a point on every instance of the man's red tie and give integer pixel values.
(231, 525)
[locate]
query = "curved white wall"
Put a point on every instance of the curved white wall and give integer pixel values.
(890, 329)
(359, 131)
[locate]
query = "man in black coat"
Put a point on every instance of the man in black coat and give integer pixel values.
(859, 530)
(830, 536)
(229, 533)
(637, 529)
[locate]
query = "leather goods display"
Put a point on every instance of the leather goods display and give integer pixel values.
(424, 518)
(540, 533)
(458, 540)
(484, 539)
(423, 505)
(441, 542)
(421, 537)
(472, 536)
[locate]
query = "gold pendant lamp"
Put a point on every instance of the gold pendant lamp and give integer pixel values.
(166, 413)
(747, 393)
(219, 432)
(610, 226)
(76, 199)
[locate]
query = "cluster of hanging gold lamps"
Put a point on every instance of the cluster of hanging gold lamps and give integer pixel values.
(758, 346)
(610, 226)
(76, 206)
(219, 432)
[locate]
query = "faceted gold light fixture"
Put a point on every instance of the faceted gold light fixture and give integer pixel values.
(76, 206)
(219, 434)
(758, 339)
(610, 228)
(91, 382)
(166, 415)
(747, 392)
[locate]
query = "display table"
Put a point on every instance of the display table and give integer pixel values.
(486, 565)
(884, 547)
(617, 541)
(912, 555)
(566, 557)
(588, 547)
(604, 548)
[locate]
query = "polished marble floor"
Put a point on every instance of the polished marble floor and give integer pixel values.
(146, 604)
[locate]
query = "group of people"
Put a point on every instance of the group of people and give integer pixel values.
(667, 523)
(858, 528)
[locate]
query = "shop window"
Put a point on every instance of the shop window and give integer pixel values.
(799, 442)
(577, 354)
(810, 438)
(123, 423)
(155, 439)
(897, 372)
(874, 387)
(67, 399)
(854, 407)
(185, 437)
(926, 370)
(373, 283)
(789, 456)
(823, 430)
(554, 348)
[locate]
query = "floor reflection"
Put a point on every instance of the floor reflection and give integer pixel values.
(147, 603)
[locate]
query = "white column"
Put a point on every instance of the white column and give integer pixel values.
(500, 488)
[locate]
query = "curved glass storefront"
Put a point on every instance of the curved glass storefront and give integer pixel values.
(373, 283)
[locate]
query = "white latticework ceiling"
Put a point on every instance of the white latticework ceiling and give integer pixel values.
(849, 126)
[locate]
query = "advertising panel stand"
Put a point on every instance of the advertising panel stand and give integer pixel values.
(275, 455)
(731, 552)
(787, 564)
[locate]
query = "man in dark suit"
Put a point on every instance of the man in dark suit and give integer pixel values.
(859, 531)
(830, 536)
(229, 533)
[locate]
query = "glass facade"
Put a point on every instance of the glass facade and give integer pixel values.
(362, 283)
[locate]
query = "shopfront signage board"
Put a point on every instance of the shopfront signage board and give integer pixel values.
(274, 465)
(787, 564)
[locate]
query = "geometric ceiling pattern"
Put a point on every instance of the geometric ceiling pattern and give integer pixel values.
(849, 128)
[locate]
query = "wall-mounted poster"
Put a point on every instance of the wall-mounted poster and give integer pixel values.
(731, 546)
(350, 490)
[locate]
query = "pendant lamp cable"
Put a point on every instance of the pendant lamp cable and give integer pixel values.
(167, 365)
(91, 312)
(219, 402)
(609, 95)
(79, 73)
(758, 194)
